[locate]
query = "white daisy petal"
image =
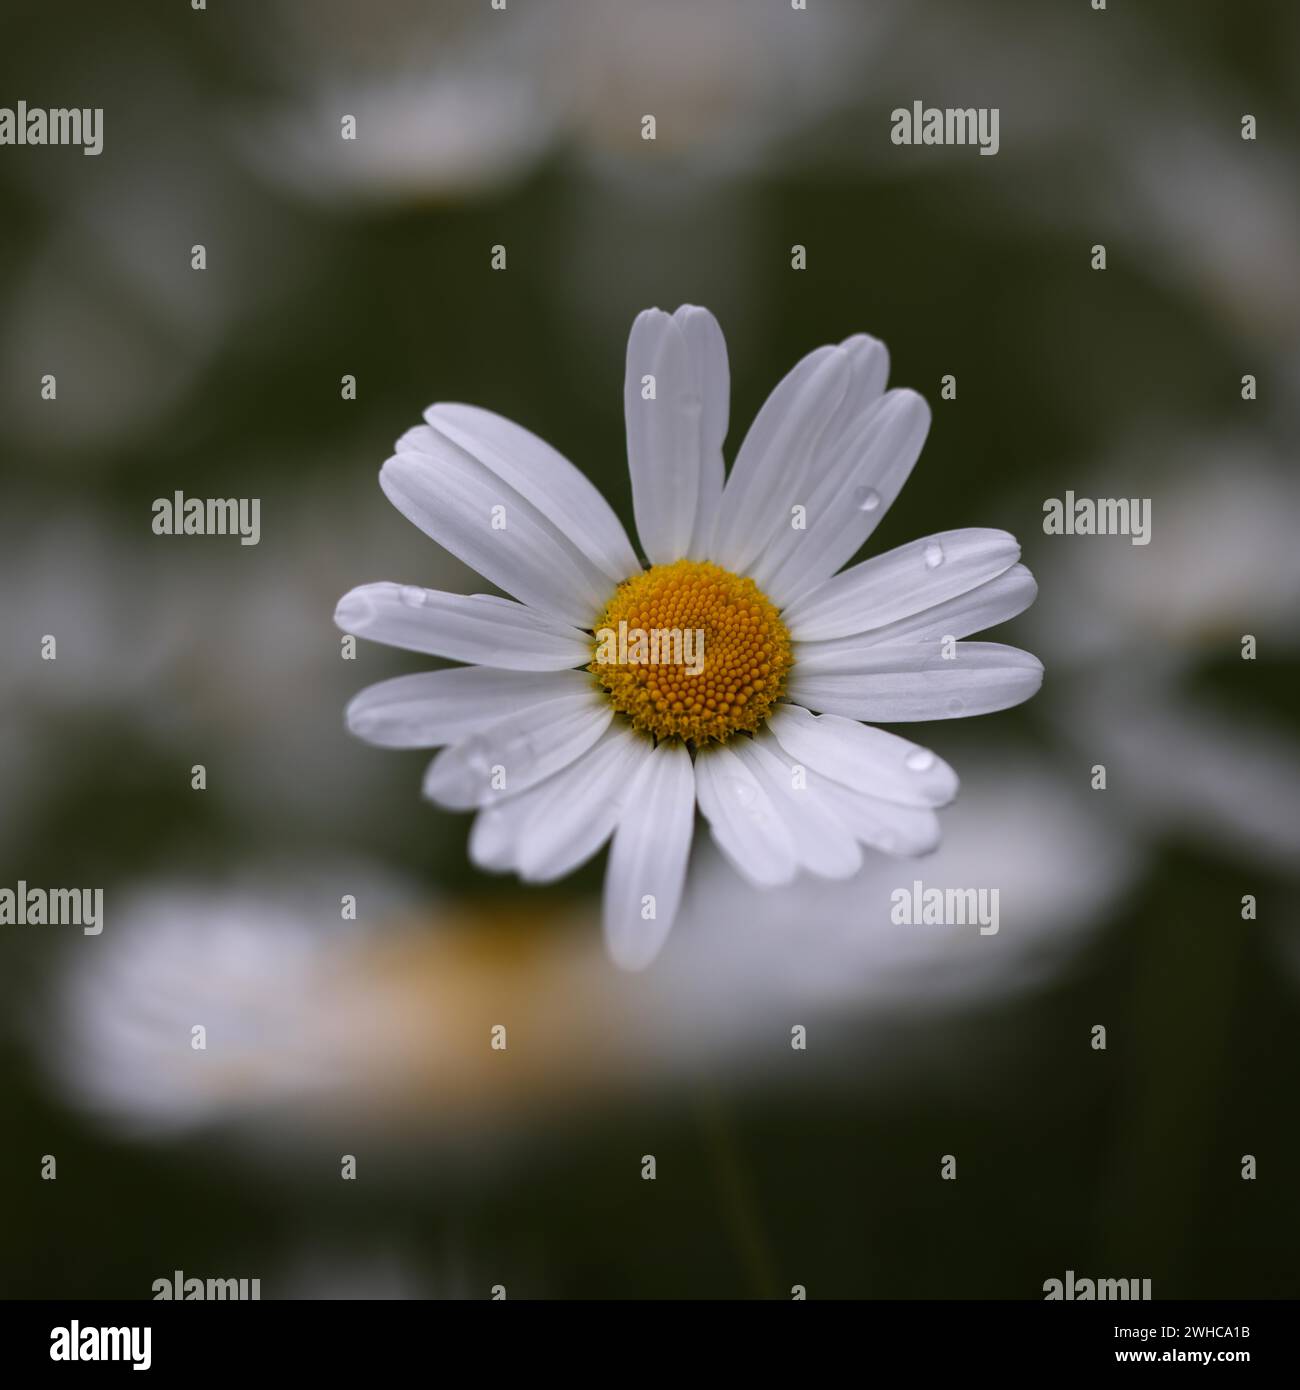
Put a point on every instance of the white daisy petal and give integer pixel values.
(663, 435)
(648, 857)
(775, 462)
(550, 829)
(818, 837)
(992, 603)
(710, 368)
(888, 684)
(884, 825)
(431, 708)
(868, 361)
(674, 441)
(863, 757)
(456, 500)
(573, 813)
(543, 477)
(419, 439)
(517, 752)
(479, 628)
(868, 373)
(855, 484)
(744, 823)
(901, 582)
(493, 838)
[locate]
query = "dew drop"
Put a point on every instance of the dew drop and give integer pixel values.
(919, 760)
(867, 499)
(477, 756)
(744, 792)
(413, 596)
(933, 555)
(956, 705)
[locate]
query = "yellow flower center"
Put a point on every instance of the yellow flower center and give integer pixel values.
(691, 651)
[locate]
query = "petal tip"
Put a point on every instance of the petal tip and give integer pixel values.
(354, 611)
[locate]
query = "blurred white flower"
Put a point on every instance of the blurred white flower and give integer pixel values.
(744, 957)
(1130, 626)
(1191, 768)
(109, 302)
(1214, 215)
(387, 1034)
(728, 82)
(93, 621)
(1193, 205)
(454, 102)
(421, 137)
(200, 647)
(269, 974)
(1220, 564)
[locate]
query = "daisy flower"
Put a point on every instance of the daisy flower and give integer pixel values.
(562, 735)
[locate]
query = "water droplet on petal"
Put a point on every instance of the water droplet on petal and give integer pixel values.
(866, 499)
(477, 755)
(919, 760)
(413, 596)
(956, 705)
(933, 555)
(745, 792)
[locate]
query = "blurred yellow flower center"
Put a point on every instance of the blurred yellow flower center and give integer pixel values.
(691, 651)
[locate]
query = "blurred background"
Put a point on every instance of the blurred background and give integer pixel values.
(327, 1037)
